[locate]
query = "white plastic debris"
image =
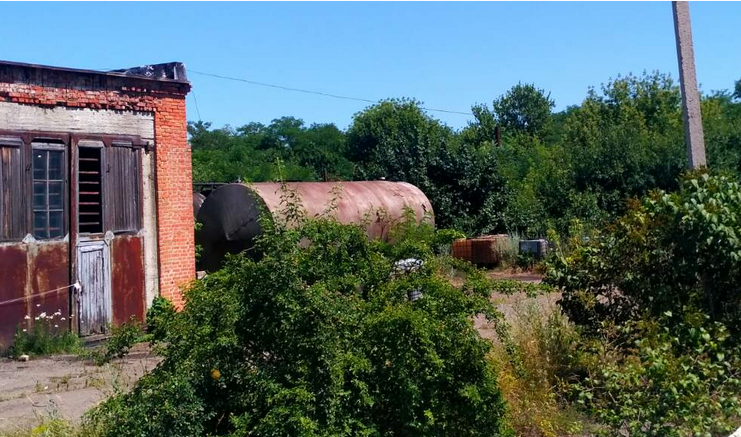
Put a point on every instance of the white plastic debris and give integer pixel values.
(408, 265)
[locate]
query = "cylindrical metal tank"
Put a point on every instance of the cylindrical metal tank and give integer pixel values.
(198, 199)
(229, 215)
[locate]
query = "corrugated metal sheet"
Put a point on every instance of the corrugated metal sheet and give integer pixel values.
(483, 251)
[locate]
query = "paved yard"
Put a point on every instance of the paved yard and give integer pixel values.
(63, 385)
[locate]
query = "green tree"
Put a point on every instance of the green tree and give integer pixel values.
(524, 109)
(319, 339)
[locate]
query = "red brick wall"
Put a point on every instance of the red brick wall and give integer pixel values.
(174, 199)
(172, 152)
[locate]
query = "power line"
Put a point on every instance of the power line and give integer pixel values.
(193, 93)
(319, 93)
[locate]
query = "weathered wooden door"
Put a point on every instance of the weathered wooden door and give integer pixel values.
(93, 273)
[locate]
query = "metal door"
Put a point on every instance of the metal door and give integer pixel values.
(93, 274)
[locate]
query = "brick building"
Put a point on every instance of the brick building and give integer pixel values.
(95, 189)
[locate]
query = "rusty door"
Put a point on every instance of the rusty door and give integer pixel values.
(93, 274)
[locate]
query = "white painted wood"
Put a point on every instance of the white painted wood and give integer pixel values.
(93, 274)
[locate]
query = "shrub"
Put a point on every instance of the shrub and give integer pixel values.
(319, 339)
(122, 338)
(656, 295)
(670, 251)
(160, 317)
(664, 382)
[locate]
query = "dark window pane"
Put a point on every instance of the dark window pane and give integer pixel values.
(39, 225)
(39, 195)
(39, 164)
(56, 198)
(55, 224)
(55, 166)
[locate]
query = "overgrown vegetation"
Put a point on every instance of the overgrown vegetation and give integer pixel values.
(44, 334)
(328, 338)
(625, 139)
(656, 298)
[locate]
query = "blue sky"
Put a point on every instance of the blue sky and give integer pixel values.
(448, 55)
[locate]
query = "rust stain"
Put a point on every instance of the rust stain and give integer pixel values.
(381, 203)
(28, 270)
(50, 270)
(13, 274)
(127, 279)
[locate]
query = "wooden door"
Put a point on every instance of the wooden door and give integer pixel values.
(93, 274)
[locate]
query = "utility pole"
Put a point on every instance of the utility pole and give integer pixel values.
(688, 84)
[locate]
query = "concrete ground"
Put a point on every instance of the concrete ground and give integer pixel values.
(63, 386)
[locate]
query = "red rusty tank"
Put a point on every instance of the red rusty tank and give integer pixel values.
(229, 215)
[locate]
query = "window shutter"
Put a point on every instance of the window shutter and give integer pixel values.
(12, 196)
(122, 180)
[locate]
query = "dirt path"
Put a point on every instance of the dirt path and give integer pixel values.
(63, 386)
(67, 386)
(508, 304)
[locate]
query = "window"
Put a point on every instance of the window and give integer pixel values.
(123, 182)
(89, 187)
(48, 190)
(12, 196)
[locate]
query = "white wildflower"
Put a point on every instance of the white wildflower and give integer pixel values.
(38, 305)
(56, 326)
(25, 330)
(43, 315)
(27, 317)
(63, 319)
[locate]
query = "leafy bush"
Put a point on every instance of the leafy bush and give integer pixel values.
(664, 382)
(670, 251)
(656, 295)
(160, 317)
(444, 238)
(318, 339)
(122, 338)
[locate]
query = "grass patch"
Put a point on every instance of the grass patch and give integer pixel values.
(44, 337)
(544, 339)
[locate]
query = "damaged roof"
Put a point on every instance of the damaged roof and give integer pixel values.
(167, 72)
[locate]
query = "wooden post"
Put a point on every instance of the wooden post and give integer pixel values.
(688, 84)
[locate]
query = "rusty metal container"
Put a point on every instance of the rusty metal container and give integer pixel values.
(486, 251)
(229, 215)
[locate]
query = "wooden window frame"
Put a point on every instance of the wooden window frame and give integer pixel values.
(43, 144)
(66, 142)
(130, 141)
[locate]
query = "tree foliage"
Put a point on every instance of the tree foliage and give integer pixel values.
(625, 139)
(320, 339)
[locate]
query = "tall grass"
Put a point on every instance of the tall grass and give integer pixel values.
(544, 339)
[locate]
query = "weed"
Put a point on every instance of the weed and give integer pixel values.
(543, 338)
(43, 335)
